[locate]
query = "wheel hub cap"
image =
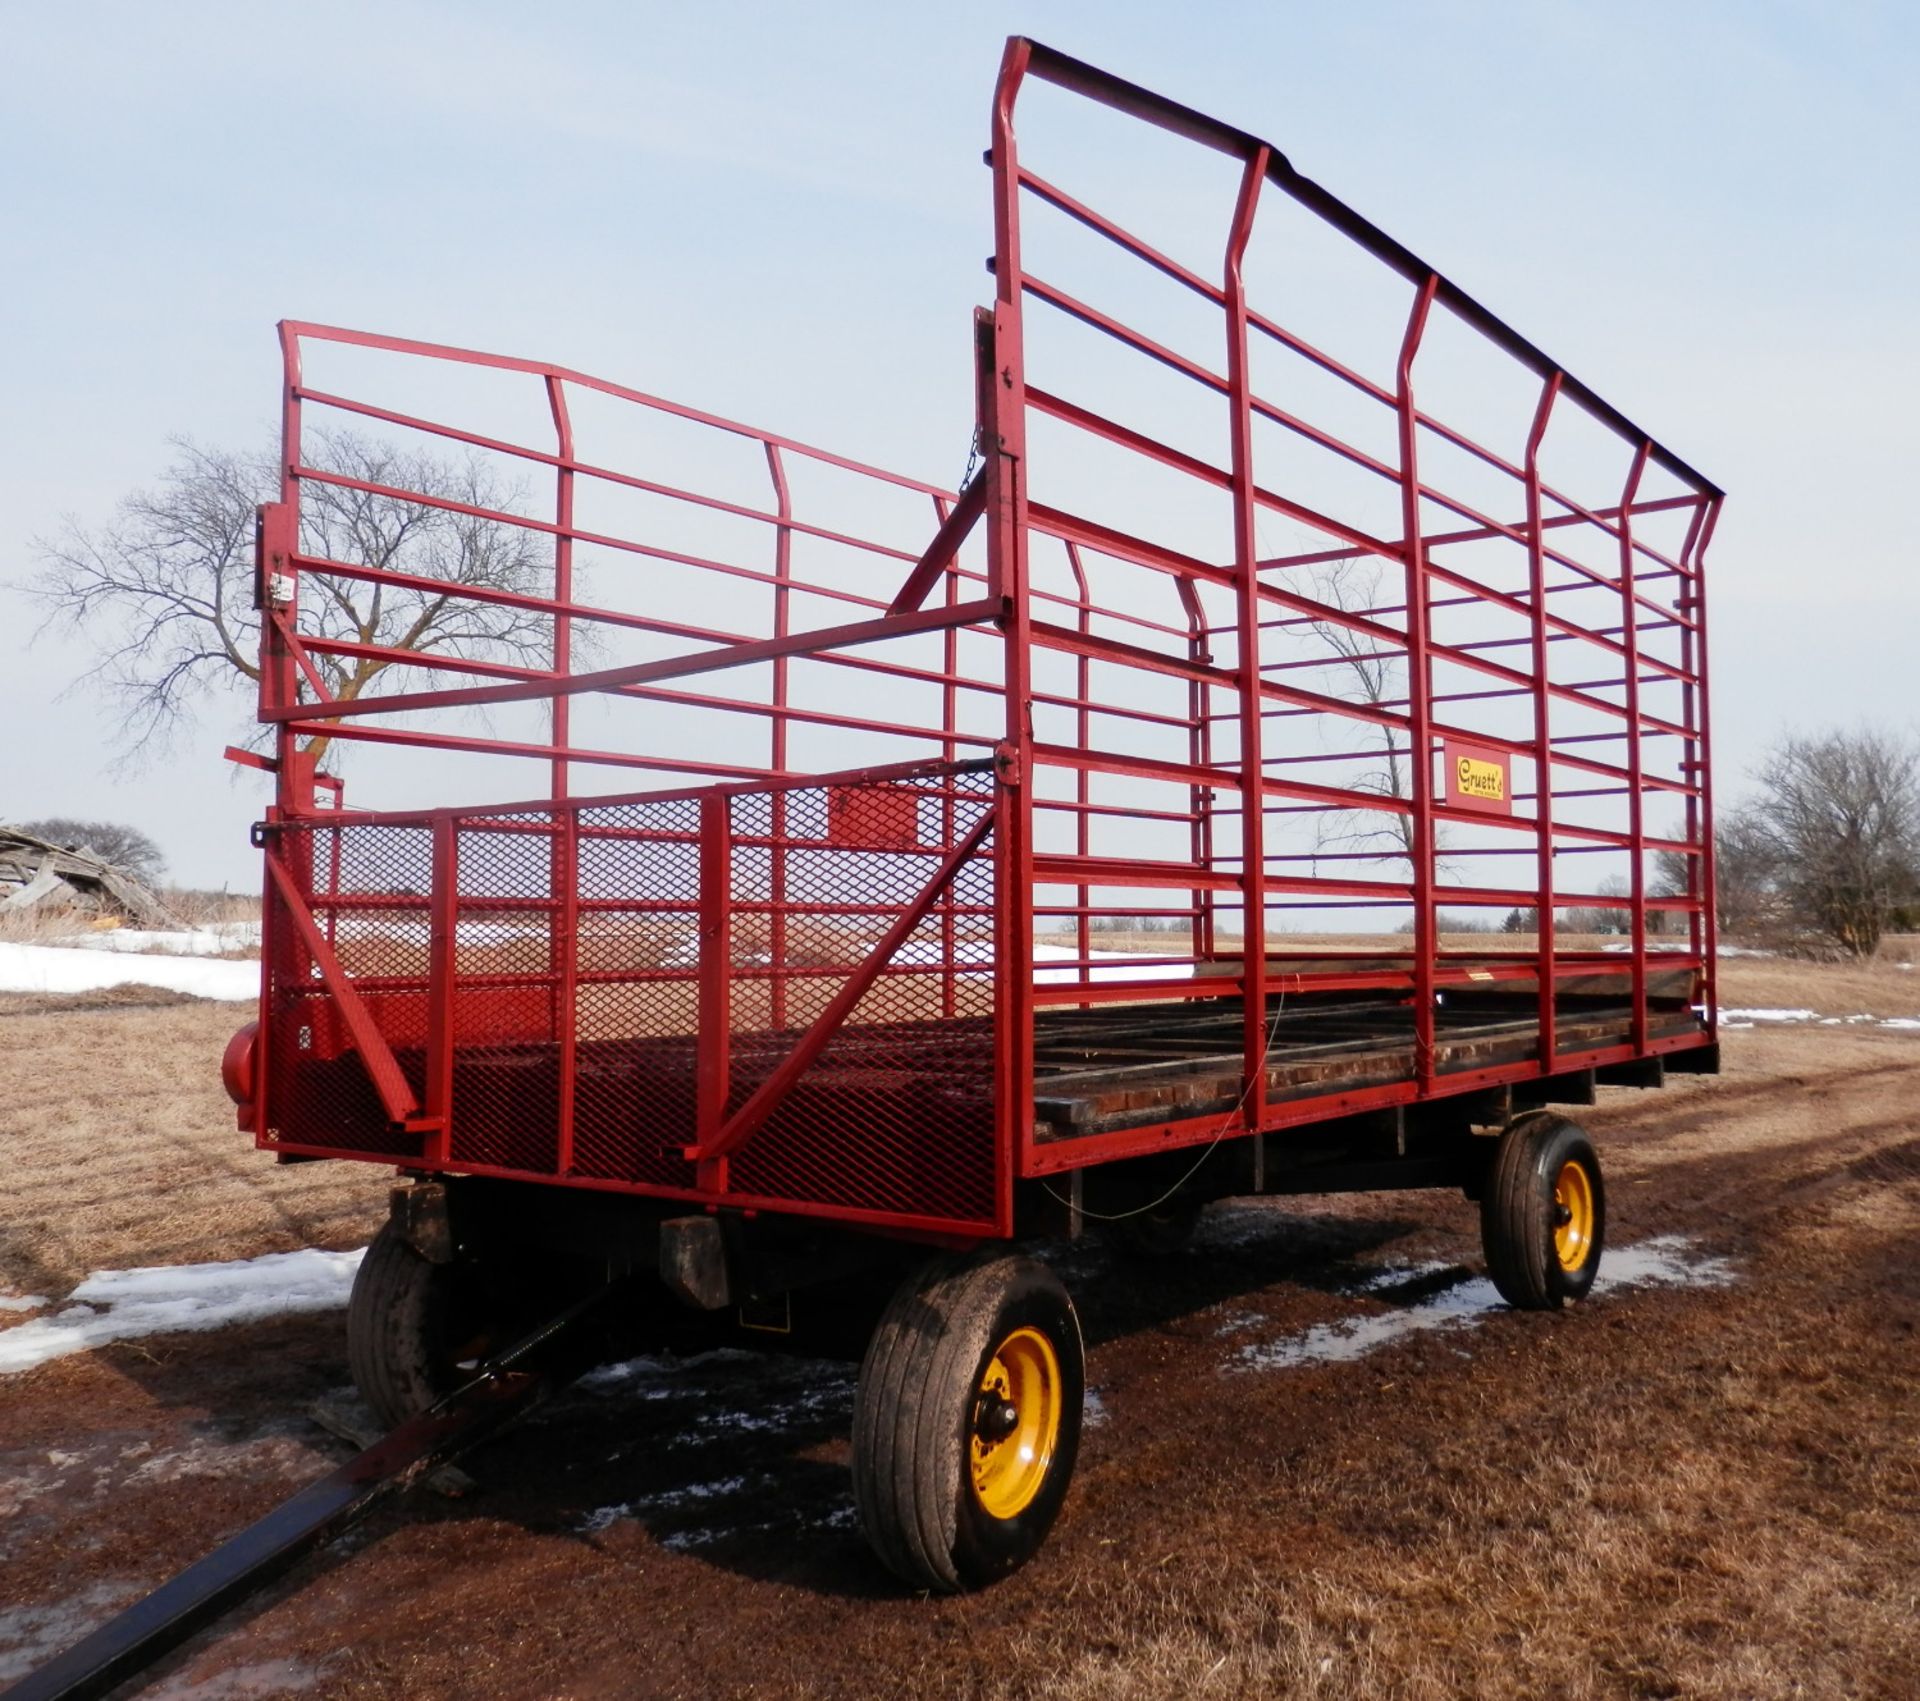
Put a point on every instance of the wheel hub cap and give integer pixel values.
(1016, 1423)
(1573, 1216)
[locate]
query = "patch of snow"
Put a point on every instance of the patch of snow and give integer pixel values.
(22, 1301)
(260, 1680)
(122, 1305)
(1663, 1261)
(622, 1375)
(666, 1499)
(1399, 1276)
(203, 1456)
(1750, 1018)
(1093, 1413)
(32, 1635)
(57, 968)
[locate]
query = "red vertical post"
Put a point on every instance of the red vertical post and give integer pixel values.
(1246, 563)
(1636, 797)
(777, 755)
(1000, 365)
(1200, 754)
(1702, 769)
(1419, 689)
(1684, 606)
(949, 715)
(443, 939)
(1083, 787)
(715, 1034)
(1545, 915)
(563, 857)
(279, 586)
(276, 588)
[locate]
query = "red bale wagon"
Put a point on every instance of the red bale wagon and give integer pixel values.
(897, 875)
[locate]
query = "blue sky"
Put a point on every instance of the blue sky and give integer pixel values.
(1707, 211)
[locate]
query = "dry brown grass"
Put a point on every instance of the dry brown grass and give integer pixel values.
(44, 925)
(1877, 988)
(1709, 1493)
(1712, 1495)
(120, 1149)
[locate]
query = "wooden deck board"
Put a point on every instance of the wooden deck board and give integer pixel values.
(1102, 1071)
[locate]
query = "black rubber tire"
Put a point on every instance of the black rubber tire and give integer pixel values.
(1517, 1216)
(913, 1417)
(1158, 1233)
(411, 1326)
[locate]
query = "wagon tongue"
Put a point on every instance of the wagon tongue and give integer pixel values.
(533, 1368)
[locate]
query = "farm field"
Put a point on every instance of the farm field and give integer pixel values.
(1319, 1462)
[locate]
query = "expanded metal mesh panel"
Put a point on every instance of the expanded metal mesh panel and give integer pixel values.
(636, 1005)
(896, 1113)
(506, 1040)
(369, 886)
(593, 961)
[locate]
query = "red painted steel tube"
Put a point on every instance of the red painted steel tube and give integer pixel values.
(294, 331)
(443, 967)
(396, 1096)
(713, 1072)
(667, 667)
(938, 559)
(1140, 801)
(1122, 96)
(783, 716)
(744, 1123)
(1419, 689)
(1636, 789)
(563, 876)
(1703, 835)
(1253, 865)
(1546, 919)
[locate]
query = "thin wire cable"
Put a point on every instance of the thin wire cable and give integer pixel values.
(1259, 1075)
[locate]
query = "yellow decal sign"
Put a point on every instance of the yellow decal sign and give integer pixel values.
(1478, 778)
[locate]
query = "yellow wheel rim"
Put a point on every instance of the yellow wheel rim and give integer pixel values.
(1573, 1215)
(1016, 1423)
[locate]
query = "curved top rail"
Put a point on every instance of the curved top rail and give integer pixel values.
(294, 331)
(1025, 56)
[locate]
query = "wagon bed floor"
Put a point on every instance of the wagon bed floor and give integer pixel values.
(1101, 1070)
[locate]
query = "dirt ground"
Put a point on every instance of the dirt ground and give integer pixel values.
(1705, 1485)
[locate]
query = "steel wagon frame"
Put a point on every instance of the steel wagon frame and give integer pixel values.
(871, 991)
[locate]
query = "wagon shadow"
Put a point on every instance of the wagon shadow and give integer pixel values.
(740, 1460)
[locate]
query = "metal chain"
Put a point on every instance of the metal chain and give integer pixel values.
(973, 457)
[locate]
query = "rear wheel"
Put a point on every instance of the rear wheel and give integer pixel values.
(967, 1420)
(416, 1329)
(1543, 1213)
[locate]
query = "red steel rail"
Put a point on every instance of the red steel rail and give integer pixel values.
(922, 749)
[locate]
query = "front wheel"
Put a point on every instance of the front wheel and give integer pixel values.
(967, 1420)
(1543, 1213)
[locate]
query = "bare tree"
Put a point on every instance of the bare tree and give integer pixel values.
(1377, 677)
(165, 588)
(1603, 918)
(1842, 811)
(1746, 864)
